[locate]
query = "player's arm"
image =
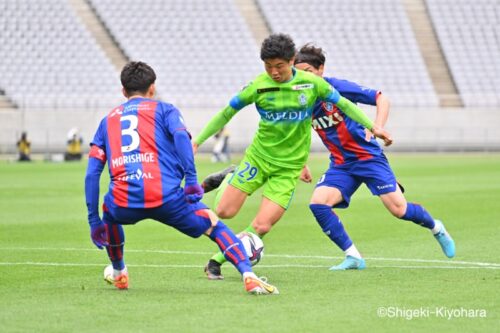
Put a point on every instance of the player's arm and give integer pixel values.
(329, 94)
(182, 141)
(215, 125)
(95, 166)
(243, 98)
(382, 113)
(359, 94)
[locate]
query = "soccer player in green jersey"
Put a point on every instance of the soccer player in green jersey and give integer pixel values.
(284, 98)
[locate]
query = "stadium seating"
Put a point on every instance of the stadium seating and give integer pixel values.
(202, 51)
(469, 35)
(49, 60)
(370, 42)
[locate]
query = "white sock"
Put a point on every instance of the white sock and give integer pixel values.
(250, 275)
(353, 252)
(436, 229)
(117, 272)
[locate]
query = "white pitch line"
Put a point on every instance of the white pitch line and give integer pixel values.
(290, 256)
(64, 264)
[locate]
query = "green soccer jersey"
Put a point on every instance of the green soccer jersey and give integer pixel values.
(284, 134)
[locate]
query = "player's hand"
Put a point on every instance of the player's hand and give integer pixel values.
(381, 133)
(193, 193)
(99, 234)
(305, 174)
(368, 135)
(195, 147)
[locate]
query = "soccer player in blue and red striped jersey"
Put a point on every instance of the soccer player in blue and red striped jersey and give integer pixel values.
(356, 158)
(149, 153)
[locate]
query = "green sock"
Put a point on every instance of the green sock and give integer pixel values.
(252, 230)
(219, 257)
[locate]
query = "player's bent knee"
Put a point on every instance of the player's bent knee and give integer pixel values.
(225, 212)
(398, 211)
(262, 228)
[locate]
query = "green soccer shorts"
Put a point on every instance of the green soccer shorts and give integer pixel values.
(279, 182)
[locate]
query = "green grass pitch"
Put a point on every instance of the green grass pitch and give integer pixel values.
(51, 273)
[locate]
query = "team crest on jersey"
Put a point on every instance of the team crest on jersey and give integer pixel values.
(302, 99)
(328, 106)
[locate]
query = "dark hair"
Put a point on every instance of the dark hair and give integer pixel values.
(311, 55)
(137, 77)
(277, 46)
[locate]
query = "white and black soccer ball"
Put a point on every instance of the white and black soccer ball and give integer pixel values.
(254, 247)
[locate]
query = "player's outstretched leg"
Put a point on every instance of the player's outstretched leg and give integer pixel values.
(116, 240)
(213, 181)
(333, 228)
(234, 252)
(213, 267)
(417, 214)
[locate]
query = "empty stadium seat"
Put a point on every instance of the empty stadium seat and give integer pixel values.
(469, 35)
(49, 60)
(369, 42)
(202, 51)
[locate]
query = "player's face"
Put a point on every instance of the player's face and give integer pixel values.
(279, 70)
(310, 68)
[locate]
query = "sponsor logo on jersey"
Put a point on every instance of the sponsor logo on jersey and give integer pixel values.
(327, 121)
(138, 175)
(303, 86)
(115, 112)
(285, 115)
(265, 90)
(134, 158)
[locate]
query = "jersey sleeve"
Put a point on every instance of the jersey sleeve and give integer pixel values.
(355, 92)
(245, 97)
(173, 120)
(326, 92)
(99, 139)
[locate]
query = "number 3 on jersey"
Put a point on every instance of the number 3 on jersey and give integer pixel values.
(130, 131)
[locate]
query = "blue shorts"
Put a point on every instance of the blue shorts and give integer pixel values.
(375, 173)
(188, 218)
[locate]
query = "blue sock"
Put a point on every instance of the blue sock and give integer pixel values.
(331, 225)
(231, 247)
(116, 240)
(417, 214)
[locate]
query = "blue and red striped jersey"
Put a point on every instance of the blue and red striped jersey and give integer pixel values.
(342, 136)
(137, 141)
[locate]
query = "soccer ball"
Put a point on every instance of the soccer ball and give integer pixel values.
(254, 247)
(108, 274)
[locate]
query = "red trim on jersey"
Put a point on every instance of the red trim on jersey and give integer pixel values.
(114, 130)
(202, 213)
(348, 143)
(334, 150)
(153, 194)
(97, 152)
(105, 208)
